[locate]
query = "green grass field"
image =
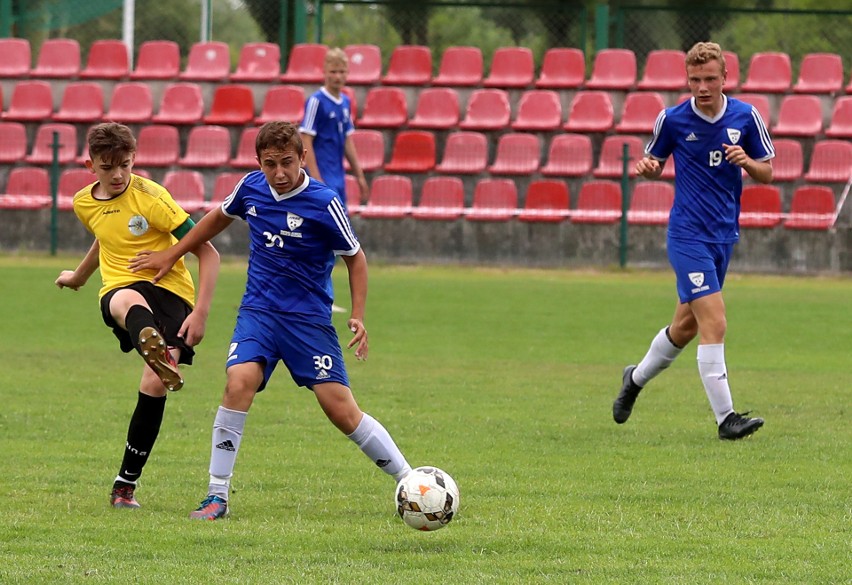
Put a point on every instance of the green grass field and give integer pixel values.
(505, 379)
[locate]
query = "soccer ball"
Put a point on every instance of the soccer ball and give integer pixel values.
(427, 498)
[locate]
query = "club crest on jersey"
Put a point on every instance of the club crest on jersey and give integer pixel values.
(734, 135)
(697, 278)
(293, 221)
(137, 225)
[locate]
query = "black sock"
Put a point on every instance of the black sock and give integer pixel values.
(137, 318)
(141, 435)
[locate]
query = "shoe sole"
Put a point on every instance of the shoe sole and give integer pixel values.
(746, 433)
(154, 351)
(123, 504)
(209, 517)
(627, 371)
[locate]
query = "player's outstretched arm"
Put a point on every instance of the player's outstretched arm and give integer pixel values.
(194, 326)
(78, 277)
(357, 267)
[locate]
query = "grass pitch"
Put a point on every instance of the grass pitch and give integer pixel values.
(505, 379)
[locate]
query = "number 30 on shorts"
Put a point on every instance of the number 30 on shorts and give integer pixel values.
(323, 362)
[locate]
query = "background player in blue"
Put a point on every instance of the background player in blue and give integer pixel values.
(713, 138)
(297, 225)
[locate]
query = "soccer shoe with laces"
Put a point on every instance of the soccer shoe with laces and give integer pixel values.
(736, 426)
(623, 405)
(122, 497)
(159, 358)
(211, 508)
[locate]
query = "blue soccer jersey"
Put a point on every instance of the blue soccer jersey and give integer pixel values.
(328, 120)
(708, 187)
(293, 240)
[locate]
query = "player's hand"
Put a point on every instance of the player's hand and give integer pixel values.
(359, 340)
(735, 155)
(648, 167)
(68, 279)
(193, 328)
(365, 189)
(159, 262)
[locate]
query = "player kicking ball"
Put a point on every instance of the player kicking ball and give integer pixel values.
(297, 226)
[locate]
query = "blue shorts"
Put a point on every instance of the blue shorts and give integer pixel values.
(310, 350)
(699, 267)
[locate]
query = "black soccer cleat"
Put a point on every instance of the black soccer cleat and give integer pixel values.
(623, 405)
(736, 426)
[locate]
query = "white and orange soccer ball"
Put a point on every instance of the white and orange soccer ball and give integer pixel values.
(427, 498)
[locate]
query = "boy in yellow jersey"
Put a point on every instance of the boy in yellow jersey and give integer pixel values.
(127, 213)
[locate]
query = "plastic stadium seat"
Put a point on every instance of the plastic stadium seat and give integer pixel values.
(157, 146)
(465, 153)
(811, 208)
(820, 73)
(460, 67)
(233, 105)
(181, 104)
(246, 156)
(353, 194)
(27, 188)
(570, 155)
(370, 148)
(841, 118)
(611, 163)
(42, 150)
(651, 203)
(282, 102)
(31, 101)
(768, 72)
(640, 112)
(186, 188)
(831, 162)
(598, 202)
(539, 110)
(546, 201)
(511, 67)
(487, 109)
(108, 59)
(789, 161)
(365, 64)
(223, 186)
(493, 200)
(17, 57)
(207, 146)
(70, 182)
(613, 69)
(82, 101)
(799, 115)
(207, 61)
(58, 58)
(385, 107)
(306, 63)
(442, 198)
(259, 62)
(517, 154)
(590, 111)
(131, 103)
(665, 70)
(390, 197)
(562, 68)
(760, 206)
(409, 65)
(759, 101)
(13, 142)
(668, 169)
(732, 65)
(157, 60)
(413, 152)
(437, 108)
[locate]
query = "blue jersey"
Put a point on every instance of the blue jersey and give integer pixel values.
(293, 240)
(328, 120)
(708, 187)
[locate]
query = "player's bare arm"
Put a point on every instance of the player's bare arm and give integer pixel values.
(649, 168)
(352, 157)
(357, 267)
(759, 171)
(195, 325)
(78, 277)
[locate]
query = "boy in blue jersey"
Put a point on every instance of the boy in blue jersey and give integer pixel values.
(713, 138)
(297, 226)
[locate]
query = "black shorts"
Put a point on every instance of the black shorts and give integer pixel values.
(170, 311)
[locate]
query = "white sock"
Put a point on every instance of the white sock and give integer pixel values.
(227, 431)
(714, 376)
(377, 444)
(660, 356)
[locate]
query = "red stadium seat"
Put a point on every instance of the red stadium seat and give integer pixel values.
(157, 146)
(831, 162)
(820, 73)
(760, 206)
(799, 115)
(613, 69)
(181, 104)
(27, 188)
(70, 182)
(487, 109)
(259, 62)
(788, 162)
(732, 65)
(562, 68)
(812, 208)
(665, 70)
(841, 118)
(517, 154)
(640, 112)
(413, 152)
(17, 57)
(590, 111)
(282, 102)
(353, 194)
(546, 201)
(493, 200)
(651, 203)
(465, 153)
(207, 146)
(108, 59)
(42, 150)
(131, 103)
(370, 148)
(442, 198)
(246, 157)
(157, 60)
(31, 101)
(570, 155)
(186, 188)
(437, 108)
(409, 65)
(759, 101)
(58, 58)
(769, 72)
(82, 101)
(233, 105)
(598, 202)
(223, 186)
(385, 107)
(539, 110)
(511, 67)
(461, 67)
(207, 61)
(306, 64)
(612, 152)
(390, 197)
(365, 64)
(13, 142)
